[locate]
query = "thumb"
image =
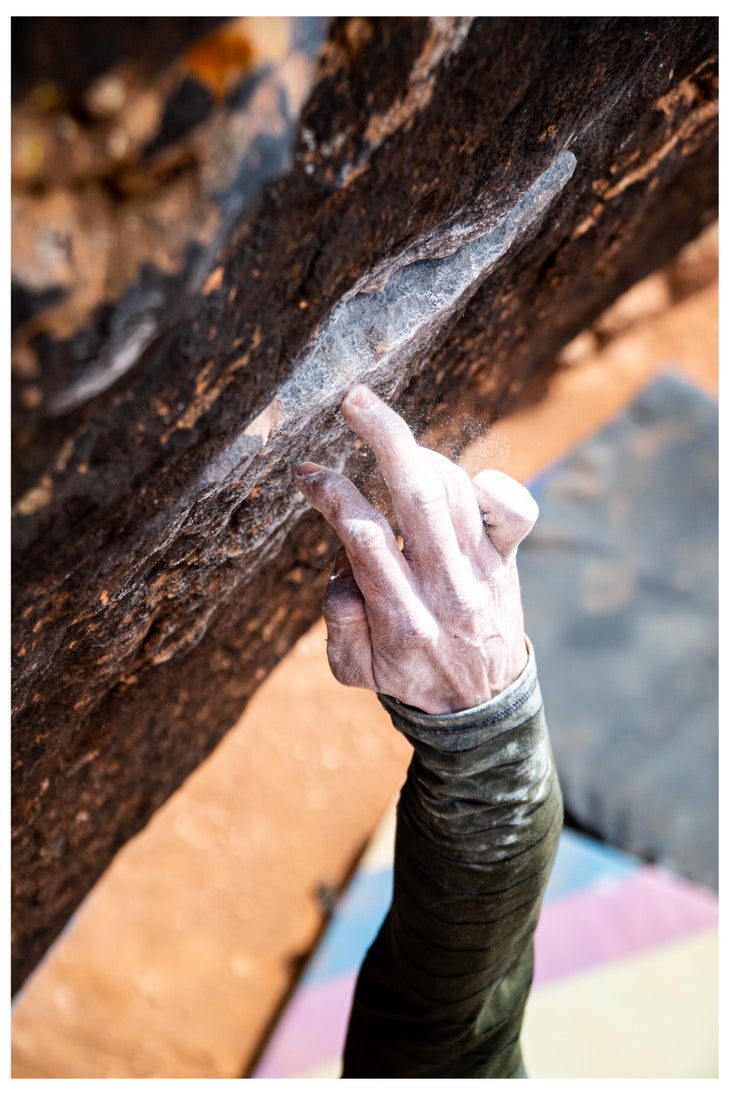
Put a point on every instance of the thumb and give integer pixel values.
(348, 632)
(508, 509)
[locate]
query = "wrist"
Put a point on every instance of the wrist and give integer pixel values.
(507, 672)
(449, 697)
(459, 730)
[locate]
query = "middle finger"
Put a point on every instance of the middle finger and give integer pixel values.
(417, 488)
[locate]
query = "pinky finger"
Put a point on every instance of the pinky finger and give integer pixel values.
(349, 650)
(508, 509)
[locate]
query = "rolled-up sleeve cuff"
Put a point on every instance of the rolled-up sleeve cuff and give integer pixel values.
(467, 729)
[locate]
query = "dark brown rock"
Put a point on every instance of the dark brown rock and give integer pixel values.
(437, 207)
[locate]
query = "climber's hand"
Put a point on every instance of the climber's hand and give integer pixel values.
(439, 624)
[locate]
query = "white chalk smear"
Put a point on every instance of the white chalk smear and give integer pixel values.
(398, 310)
(390, 316)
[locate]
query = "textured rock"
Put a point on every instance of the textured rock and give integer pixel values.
(437, 206)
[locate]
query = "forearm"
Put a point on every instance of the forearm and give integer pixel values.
(443, 989)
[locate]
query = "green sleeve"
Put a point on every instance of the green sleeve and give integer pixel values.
(443, 988)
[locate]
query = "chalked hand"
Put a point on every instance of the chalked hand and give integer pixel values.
(437, 625)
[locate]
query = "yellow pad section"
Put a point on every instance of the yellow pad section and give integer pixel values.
(653, 1015)
(328, 1070)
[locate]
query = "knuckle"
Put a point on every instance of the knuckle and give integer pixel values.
(428, 493)
(368, 536)
(463, 605)
(333, 499)
(415, 635)
(451, 474)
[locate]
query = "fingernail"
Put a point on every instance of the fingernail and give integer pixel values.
(307, 468)
(360, 396)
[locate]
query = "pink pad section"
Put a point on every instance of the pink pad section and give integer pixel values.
(312, 1030)
(620, 918)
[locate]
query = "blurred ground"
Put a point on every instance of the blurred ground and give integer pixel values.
(179, 960)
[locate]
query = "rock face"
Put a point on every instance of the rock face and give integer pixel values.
(211, 242)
